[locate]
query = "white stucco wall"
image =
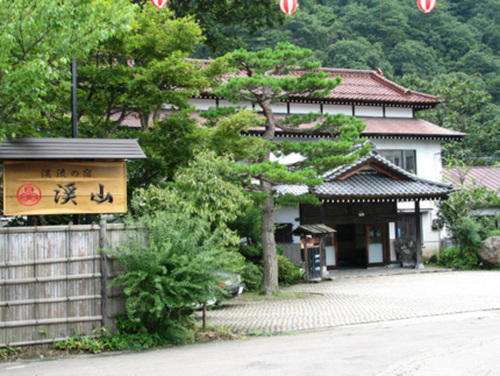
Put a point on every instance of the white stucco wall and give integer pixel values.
(432, 238)
(202, 104)
(304, 108)
(337, 109)
(278, 108)
(399, 112)
(368, 111)
(288, 159)
(247, 105)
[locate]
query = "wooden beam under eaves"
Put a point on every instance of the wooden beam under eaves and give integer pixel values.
(375, 166)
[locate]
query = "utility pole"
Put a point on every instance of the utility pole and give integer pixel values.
(74, 116)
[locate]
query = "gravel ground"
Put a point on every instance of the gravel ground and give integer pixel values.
(361, 297)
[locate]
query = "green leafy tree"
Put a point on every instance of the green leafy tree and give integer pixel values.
(225, 21)
(414, 57)
(467, 108)
(458, 213)
(199, 190)
(136, 77)
(307, 31)
(248, 225)
(38, 39)
(137, 73)
(475, 61)
(357, 54)
(169, 145)
(266, 77)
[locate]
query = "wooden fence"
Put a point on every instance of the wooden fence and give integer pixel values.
(54, 280)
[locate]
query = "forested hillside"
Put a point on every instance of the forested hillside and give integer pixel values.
(394, 35)
(452, 52)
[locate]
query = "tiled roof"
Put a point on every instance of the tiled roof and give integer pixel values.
(358, 85)
(372, 178)
(373, 86)
(70, 148)
(380, 127)
(367, 86)
(483, 176)
(377, 185)
(295, 190)
(396, 128)
(387, 128)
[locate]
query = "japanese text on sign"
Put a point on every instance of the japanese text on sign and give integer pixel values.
(49, 187)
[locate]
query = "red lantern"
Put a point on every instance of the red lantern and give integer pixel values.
(288, 6)
(159, 3)
(426, 5)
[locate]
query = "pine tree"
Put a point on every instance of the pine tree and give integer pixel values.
(268, 76)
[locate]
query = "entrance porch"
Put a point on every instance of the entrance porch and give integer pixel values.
(360, 202)
(362, 233)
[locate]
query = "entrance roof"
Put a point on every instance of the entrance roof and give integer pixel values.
(372, 179)
(313, 229)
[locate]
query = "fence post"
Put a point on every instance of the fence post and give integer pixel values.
(104, 273)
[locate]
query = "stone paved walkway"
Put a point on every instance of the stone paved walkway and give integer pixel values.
(354, 297)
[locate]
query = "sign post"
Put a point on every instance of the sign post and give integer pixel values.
(64, 187)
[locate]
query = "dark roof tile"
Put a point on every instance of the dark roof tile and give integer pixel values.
(359, 181)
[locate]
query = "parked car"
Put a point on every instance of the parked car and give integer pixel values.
(231, 284)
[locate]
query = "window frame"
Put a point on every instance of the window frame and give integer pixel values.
(403, 155)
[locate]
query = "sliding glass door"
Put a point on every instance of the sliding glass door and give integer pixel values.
(375, 243)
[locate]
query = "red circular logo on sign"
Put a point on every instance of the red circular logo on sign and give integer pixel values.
(29, 194)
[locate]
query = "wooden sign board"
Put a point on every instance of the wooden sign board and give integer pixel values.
(62, 187)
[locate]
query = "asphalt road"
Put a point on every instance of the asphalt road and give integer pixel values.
(457, 344)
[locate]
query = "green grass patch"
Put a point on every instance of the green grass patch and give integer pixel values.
(120, 340)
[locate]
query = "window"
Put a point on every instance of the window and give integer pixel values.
(284, 233)
(402, 158)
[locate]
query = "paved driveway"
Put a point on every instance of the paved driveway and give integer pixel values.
(361, 298)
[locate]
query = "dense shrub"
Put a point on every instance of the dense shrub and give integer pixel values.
(470, 232)
(494, 233)
(288, 273)
(171, 269)
(252, 253)
(252, 275)
(454, 258)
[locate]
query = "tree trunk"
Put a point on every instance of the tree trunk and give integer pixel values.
(144, 118)
(270, 283)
